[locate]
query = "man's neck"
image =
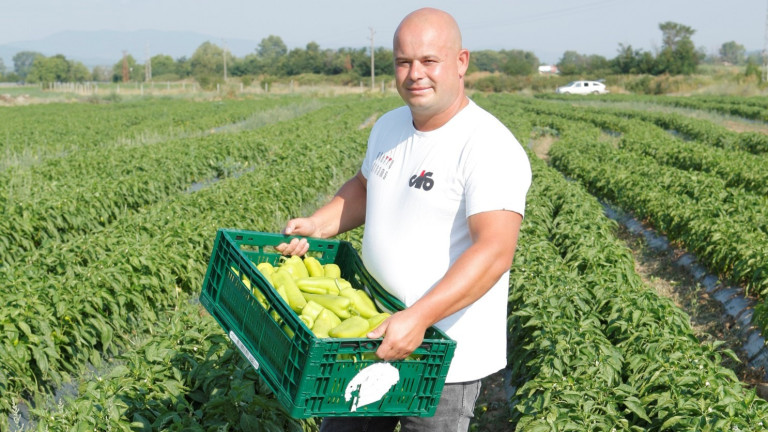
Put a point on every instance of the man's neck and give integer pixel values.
(428, 123)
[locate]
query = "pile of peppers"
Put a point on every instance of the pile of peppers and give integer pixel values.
(327, 304)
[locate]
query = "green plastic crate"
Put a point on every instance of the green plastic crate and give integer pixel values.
(310, 375)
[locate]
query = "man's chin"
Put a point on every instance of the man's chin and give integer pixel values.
(421, 102)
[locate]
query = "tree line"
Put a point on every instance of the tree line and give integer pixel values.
(211, 64)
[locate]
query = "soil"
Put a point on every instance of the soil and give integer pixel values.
(744, 126)
(541, 145)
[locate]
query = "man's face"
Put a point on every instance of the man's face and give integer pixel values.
(428, 69)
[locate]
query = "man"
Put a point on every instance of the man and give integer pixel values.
(442, 194)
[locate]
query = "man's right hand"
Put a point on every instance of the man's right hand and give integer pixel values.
(345, 211)
(299, 227)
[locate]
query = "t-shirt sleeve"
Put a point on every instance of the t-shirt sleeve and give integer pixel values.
(372, 151)
(498, 174)
(365, 167)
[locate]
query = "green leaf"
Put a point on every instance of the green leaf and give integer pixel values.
(250, 422)
(671, 422)
(119, 371)
(41, 359)
(635, 406)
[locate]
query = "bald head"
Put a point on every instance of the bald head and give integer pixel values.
(433, 21)
(429, 67)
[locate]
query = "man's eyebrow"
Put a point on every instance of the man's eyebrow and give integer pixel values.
(421, 57)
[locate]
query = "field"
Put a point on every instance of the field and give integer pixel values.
(110, 211)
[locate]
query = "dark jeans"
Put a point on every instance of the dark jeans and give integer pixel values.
(453, 413)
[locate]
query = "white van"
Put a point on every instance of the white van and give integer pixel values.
(583, 87)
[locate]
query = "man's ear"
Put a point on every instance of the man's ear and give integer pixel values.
(463, 61)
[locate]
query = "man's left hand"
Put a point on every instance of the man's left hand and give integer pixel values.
(403, 332)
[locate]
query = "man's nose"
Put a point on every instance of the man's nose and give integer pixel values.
(416, 72)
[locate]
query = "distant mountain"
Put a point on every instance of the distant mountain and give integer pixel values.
(105, 47)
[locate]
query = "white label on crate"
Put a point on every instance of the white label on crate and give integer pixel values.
(371, 384)
(244, 350)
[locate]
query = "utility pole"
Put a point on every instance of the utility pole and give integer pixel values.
(224, 53)
(372, 55)
(125, 66)
(147, 65)
(765, 50)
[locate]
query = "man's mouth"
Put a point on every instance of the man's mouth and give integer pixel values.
(415, 89)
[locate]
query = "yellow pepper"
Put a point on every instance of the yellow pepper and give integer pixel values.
(288, 331)
(352, 327)
(308, 321)
(281, 278)
(321, 285)
(260, 297)
(337, 304)
(331, 270)
(312, 309)
(325, 321)
(281, 290)
(314, 268)
(247, 282)
(376, 320)
(295, 266)
(359, 305)
(265, 268)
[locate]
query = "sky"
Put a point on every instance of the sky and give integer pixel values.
(547, 28)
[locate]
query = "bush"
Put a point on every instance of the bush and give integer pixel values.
(664, 84)
(500, 82)
(166, 77)
(496, 82)
(209, 82)
(247, 80)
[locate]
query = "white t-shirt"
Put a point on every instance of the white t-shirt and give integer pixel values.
(422, 187)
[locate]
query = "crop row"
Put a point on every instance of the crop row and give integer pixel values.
(732, 106)
(725, 226)
(122, 299)
(752, 108)
(58, 142)
(180, 373)
(591, 348)
(595, 350)
(33, 134)
(643, 132)
(80, 299)
(703, 131)
(688, 126)
(92, 188)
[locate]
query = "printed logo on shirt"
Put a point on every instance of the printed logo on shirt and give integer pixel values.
(422, 181)
(381, 165)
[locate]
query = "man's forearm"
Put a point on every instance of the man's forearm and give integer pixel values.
(475, 271)
(345, 211)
